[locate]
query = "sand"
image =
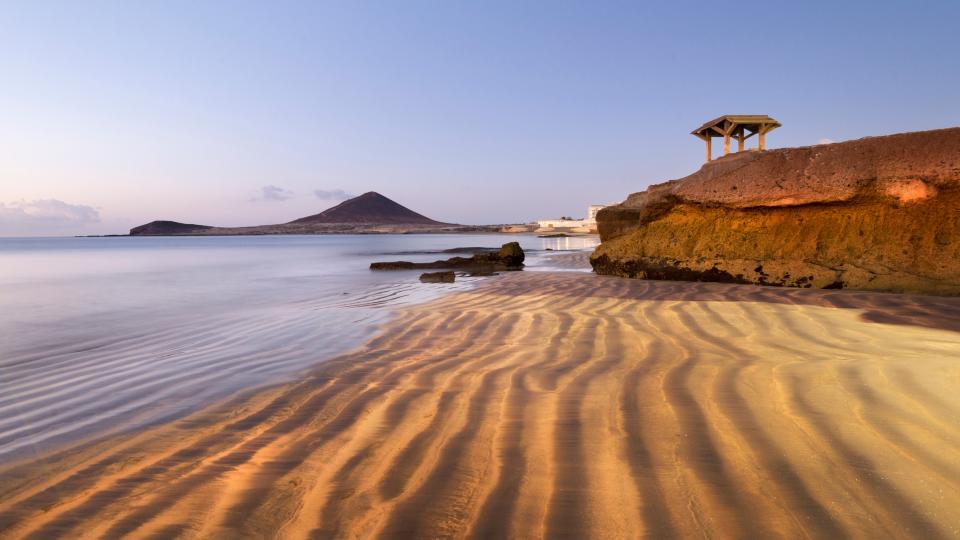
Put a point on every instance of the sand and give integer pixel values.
(558, 405)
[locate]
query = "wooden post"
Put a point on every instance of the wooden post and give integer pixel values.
(728, 129)
(761, 133)
(740, 140)
(709, 148)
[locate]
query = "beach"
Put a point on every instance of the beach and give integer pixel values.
(479, 271)
(556, 405)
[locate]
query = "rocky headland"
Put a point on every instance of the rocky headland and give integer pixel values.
(879, 213)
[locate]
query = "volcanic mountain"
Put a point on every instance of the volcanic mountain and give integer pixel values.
(368, 213)
(369, 208)
(167, 228)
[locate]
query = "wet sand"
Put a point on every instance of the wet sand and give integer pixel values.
(558, 405)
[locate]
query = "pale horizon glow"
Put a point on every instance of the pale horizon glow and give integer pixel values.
(116, 114)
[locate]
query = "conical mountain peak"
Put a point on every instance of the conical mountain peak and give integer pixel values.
(369, 208)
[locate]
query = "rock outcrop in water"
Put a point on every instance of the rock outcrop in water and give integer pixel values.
(880, 213)
(438, 277)
(510, 256)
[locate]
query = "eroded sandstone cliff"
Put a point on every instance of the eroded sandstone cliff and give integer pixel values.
(880, 213)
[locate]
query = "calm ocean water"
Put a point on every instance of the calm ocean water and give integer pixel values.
(98, 335)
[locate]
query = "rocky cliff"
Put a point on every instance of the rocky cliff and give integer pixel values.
(880, 213)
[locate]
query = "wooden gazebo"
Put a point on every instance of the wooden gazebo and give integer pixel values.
(739, 126)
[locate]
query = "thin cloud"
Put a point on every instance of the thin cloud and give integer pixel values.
(332, 195)
(44, 216)
(273, 193)
(825, 141)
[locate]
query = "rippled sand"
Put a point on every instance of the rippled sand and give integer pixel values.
(558, 405)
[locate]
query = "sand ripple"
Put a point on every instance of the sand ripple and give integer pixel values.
(107, 382)
(555, 405)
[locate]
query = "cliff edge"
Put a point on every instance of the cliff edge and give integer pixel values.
(879, 213)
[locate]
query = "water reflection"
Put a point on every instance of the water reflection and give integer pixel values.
(101, 334)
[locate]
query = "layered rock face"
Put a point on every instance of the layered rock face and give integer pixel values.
(881, 213)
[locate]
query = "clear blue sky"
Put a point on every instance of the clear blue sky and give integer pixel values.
(116, 113)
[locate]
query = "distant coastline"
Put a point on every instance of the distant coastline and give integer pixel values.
(346, 228)
(370, 213)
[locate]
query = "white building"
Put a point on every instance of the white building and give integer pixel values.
(584, 225)
(592, 211)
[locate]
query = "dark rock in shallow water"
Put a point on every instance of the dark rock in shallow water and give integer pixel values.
(394, 265)
(438, 277)
(470, 250)
(510, 256)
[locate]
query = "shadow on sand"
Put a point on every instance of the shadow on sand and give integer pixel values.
(908, 309)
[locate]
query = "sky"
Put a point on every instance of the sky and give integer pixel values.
(113, 114)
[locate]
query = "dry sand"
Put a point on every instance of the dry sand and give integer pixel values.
(558, 405)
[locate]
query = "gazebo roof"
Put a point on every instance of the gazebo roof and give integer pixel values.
(752, 122)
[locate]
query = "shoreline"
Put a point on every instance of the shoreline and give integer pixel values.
(91, 385)
(539, 404)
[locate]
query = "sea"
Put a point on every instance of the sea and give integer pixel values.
(104, 335)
